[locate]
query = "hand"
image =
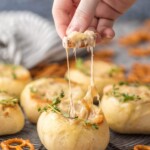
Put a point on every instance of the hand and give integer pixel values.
(80, 15)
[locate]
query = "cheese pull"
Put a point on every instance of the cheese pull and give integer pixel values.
(80, 40)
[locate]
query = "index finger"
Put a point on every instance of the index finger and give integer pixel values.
(61, 13)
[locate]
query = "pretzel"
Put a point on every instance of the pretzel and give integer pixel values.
(141, 147)
(21, 143)
(104, 53)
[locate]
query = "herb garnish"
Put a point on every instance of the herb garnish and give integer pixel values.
(123, 83)
(123, 97)
(10, 101)
(62, 94)
(80, 66)
(127, 97)
(14, 75)
(93, 125)
(113, 71)
(33, 90)
(54, 107)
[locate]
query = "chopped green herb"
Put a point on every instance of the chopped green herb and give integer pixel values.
(14, 75)
(123, 83)
(54, 106)
(3, 91)
(56, 101)
(113, 71)
(93, 125)
(66, 115)
(79, 63)
(33, 90)
(123, 97)
(62, 94)
(80, 66)
(148, 86)
(14, 67)
(11, 101)
(127, 97)
(39, 109)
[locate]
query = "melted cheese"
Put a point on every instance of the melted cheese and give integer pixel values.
(77, 40)
(72, 109)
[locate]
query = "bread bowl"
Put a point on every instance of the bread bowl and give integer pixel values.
(126, 108)
(11, 116)
(13, 78)
(104, 73)
(57, 130)
(42, 91)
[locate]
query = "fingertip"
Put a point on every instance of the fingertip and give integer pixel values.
(108, 33)
(71, 29)
(61, 30)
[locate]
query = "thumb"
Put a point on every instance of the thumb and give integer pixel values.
(83, 16)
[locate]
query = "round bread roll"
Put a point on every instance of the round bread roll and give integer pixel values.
(13, 78)
(127, 108)
(42, 91)
(58, 131)
(104, 74)
(11, 116)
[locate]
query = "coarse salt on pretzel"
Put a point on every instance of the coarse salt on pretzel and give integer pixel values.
(20, 144)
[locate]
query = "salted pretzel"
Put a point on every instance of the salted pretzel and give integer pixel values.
(79, 39)
(141, 147)
(19, 144)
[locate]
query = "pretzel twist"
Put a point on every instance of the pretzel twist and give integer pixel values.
(141, 147)
(20, 144)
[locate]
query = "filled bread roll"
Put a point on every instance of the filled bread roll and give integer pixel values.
(13, 78)
(104, 74)
(42, 92)
(127, 108)
(11, 116)
(57, 130)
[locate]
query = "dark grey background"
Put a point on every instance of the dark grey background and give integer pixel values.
(141, 10)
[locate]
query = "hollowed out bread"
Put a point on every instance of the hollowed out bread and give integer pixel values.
(41, 92)
(58, 132)
(11, 116)
(127, 108)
